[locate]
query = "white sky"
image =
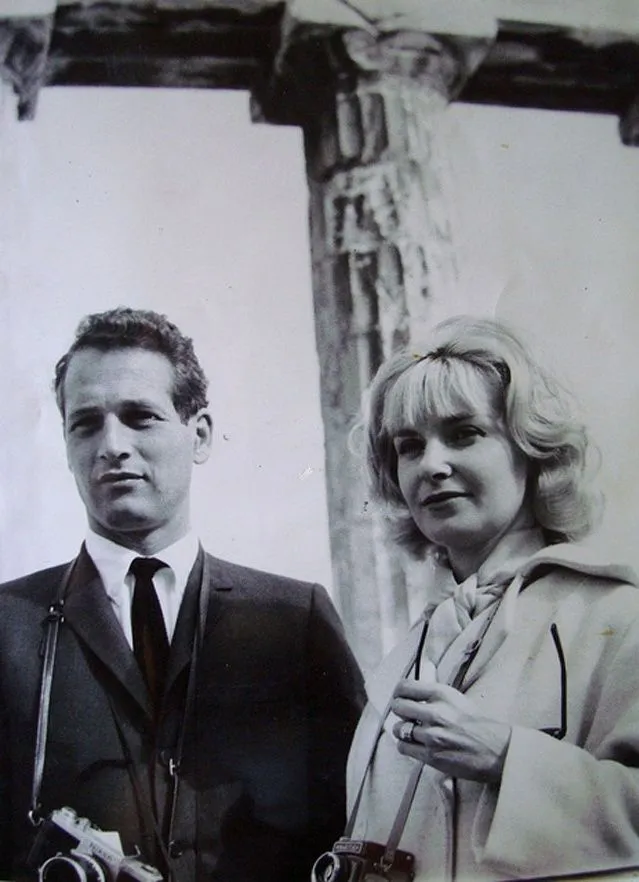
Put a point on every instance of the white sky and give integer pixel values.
(173, 201)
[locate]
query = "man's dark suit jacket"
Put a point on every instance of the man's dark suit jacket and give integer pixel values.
(277, 696)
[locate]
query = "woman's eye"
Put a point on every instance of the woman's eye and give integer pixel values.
(466, 434)
(408, 446)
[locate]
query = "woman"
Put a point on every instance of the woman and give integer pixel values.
(507, 722)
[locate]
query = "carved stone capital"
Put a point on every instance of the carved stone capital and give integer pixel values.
(423, 60)
(24, 46)
(316, 63)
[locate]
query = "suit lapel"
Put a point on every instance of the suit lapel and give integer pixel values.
(88, 612)
(182, 642)
(206, 576)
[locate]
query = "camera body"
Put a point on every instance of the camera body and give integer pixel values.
(355, 860)
(71, 848)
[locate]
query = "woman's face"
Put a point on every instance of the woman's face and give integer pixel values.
(463, 480)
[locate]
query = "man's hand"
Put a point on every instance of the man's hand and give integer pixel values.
(450, 732)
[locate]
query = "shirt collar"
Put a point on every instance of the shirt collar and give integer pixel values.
(113, 561)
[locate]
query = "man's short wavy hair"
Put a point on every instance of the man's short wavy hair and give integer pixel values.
(468, 355)
(125, 328)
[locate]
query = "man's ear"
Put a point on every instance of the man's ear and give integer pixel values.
(203, 436)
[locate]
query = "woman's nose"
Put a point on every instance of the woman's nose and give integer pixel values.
(435, 461)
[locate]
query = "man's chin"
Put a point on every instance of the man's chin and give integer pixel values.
(121, 523)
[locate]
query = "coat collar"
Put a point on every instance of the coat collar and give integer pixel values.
(202, 608)
(89, 614)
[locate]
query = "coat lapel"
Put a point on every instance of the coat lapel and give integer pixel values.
(88, 612)
(206, 576)
(489, 629)
(182, 642)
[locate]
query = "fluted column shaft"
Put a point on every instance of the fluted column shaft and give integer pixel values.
(383, 259)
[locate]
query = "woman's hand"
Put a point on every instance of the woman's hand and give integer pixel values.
(451, 734)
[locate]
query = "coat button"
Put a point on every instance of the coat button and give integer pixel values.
(176, 848)
(165, 756)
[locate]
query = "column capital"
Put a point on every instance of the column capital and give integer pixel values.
(24, 47)
(331, 47)
(441, 63)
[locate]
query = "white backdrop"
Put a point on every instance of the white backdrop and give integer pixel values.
(174, 200)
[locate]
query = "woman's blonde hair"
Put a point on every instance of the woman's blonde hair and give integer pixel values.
(466, 356)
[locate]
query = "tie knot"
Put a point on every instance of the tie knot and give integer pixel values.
(145, 567)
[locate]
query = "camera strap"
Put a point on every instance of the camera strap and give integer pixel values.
(143, 807)
(401, 817)
(175, 763)
(55, 617)
(189, 703)
(52, 622)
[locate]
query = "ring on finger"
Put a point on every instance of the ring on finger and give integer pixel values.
(406, 732)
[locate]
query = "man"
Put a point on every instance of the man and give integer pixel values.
(220, 757)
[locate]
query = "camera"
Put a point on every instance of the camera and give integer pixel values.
(354, 860)
(70, 849)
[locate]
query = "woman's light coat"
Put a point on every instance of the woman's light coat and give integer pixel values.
(563, 805)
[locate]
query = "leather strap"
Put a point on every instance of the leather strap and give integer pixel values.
(403, 811)
(397, 829)
(54, 618)
(52, 622)
(409, 793)
(189, 704)
(399, 823)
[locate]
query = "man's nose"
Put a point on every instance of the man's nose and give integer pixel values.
(115, 441)
(435, 461)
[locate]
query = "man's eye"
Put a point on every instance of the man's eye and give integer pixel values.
(140, 419)
(141, 416)
(84, 425)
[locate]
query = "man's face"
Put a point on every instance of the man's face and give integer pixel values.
(129, 452)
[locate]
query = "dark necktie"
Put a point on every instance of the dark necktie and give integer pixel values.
(150, 642)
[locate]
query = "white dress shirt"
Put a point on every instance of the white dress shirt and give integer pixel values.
(113, 561)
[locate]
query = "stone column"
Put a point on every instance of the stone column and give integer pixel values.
(370, 102)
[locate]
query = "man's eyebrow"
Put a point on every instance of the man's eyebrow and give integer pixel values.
(140, 402)
(83, 411)
(128, 404)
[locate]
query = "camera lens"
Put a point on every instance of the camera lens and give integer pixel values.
(66, 868)
(330, 867)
